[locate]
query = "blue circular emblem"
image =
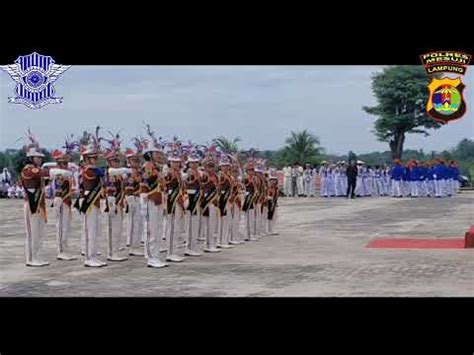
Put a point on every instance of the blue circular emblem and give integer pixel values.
(35, 79)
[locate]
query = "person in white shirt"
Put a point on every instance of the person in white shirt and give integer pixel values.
(299, 180)
(308, 181)
(287, 181)
(323, 171)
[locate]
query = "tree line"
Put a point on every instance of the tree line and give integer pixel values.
(301, 148)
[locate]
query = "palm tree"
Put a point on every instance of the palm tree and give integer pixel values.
(303, 147)
(227, 145)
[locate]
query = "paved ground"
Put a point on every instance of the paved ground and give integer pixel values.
(320, 252)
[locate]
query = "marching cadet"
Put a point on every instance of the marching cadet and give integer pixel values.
(133, 216)
(236, 204)
(174, 205)
(261, 200)
(257, 210)
(151, 187)
(396, 177)
(92, 178)
(32, 181)
(225, 188)
(209, 183)
(272, 202)
(193, 188)
(248, 206)
(266, 184)
(115, 200)
(62, 177)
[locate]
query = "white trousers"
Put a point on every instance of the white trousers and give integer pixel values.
(208, 226)
(396, 188)
(135, 222)
(265, 220)
(63, 224)
(439, 188)
(272, 222)
(379, 188)
(312, 187)
(338, 191)
(235, 230)
(414, 188)
(359, 190)
(287, 186)
(258, 219)
(368, 182)
(91, 232)
(249, 223)
(405, 188)
(307, 187)
(154, 231)
(193, 231)
(35, 226)
(299, 185)
(323, 187)
(422, 188)
(174, 229)
(224, 227)
(114, 222)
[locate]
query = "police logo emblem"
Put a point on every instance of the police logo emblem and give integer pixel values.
(446, 101)
(35, 75)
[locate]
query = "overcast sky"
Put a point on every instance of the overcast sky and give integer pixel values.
(260, 104)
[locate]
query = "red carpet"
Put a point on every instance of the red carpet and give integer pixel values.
(417, 243)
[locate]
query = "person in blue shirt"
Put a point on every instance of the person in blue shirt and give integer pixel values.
(414, 173)
(396, 176)
(440, 178)
(430, 188)
(454, 173)
(406, 180)
(422, 179)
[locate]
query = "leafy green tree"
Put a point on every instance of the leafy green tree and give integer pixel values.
(302, 147)
(226, 144)
(401, 93)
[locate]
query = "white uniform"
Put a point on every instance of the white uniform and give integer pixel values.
(287, 181)
(35, 221)
(308, 179)
(63, 212)
(359, 190)
(299, 180)
(324, 189)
